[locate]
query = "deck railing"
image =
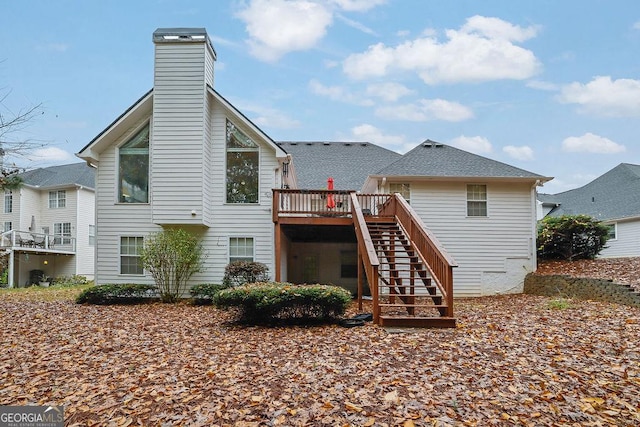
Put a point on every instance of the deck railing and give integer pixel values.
(27, 240)
(435, 257)
(367, 252)
(310, 202)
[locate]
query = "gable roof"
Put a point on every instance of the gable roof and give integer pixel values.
(436, 160)
(348, 163)
(75, 174)
(613, 195)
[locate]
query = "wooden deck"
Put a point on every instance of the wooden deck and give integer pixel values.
(408, 272)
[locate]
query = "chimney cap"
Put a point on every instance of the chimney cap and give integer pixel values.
(182, 35)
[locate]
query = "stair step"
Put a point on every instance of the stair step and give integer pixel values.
(417, 322)
(402, 305)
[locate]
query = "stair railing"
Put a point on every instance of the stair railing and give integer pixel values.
(439, 263)
(368, 255)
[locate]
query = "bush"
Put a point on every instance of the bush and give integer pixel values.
(204, 293)
(172, 256)
(269, 302)
(242, 272)
(125, 293)
(571, 237)
(74, 280)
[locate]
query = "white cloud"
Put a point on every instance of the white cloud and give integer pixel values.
(482, 50)
(426, 109)
(636, 25)
(357, 25)
(51, 156)
(300, 25)
(542, 85)
(370, 133)
(389, 91)
(473, 144)
(338, 93)
(269, 117)
(605, 97)
(523, 152)
(590, 143)
(357, 5)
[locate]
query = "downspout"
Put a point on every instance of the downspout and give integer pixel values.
(534, 231)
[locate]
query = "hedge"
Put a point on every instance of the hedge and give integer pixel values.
(269, 302)
(204, 293)
(120, 293)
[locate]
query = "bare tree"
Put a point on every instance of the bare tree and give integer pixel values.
(12, 142)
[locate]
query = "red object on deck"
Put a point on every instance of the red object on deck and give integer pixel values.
(331, 203)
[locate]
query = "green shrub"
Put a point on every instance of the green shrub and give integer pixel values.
(74, 280)
(204, 293)
(121, 293)
(242, 272)
(269, 302)
(570, 237)
(172, 256)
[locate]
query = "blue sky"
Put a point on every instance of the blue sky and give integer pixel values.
(550, 86)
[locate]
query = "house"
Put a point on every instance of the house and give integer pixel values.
(49, 224)
(183, 156)
(614, 199)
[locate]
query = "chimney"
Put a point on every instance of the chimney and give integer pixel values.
(181, 131)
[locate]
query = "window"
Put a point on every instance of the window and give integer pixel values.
(130, 248)
(348, 264)
(57, 199)
(8, 201)
(8, 226)
(133, 181)
(402, 188)
(613, 231)
(476, 200)
(92, 235)
(242, 167)
(62, 233)
(240, 249)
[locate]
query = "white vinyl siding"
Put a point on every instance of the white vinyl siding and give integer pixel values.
(403, 188)
(179, 132)
(627, 241)
(505, 238)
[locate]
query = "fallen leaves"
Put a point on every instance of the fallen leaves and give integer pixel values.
(510, 361)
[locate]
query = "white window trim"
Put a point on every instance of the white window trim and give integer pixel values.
(259, 151)
(8, 196)
(57, 199)
(615, 232)
(253, 257)
(120, 256)
(467, 200)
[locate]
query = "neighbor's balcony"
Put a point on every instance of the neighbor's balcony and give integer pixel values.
(323, 203)
(36, 242)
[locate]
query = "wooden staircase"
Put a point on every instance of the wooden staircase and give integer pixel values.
(409, 273)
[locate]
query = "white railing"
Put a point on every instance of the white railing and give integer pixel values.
(17, 239)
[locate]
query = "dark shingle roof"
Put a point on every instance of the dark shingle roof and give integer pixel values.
(433, 159)
(61, 176)
(613, 195)
(348, 163)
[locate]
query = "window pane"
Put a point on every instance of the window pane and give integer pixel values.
(134, 169)
(130, 255)
(237, 139)
(240, 249)
(242, 176)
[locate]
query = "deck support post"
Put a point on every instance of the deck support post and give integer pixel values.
(11, 265)
(278, 257)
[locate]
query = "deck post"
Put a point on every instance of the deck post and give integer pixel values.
(278, 250)
(10, 273)
(360, 274)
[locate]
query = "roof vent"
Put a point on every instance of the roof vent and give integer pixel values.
(348, 144)
(309, 143)
(432, 144)
(293, 143)
(326, 143)
(364, 144)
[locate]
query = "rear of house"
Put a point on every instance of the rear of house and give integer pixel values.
(183, 156)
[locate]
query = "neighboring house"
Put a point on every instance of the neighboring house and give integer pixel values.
(614, 199)
(49, 224)
(183, 156)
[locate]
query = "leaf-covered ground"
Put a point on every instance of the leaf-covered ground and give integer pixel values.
(620, 270)
(512, 360)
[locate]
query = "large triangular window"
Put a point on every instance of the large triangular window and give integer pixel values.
(242, 167)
